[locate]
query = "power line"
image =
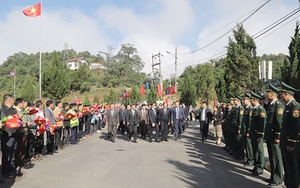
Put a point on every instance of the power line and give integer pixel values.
(229, 30)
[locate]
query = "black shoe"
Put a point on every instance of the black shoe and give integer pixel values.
(8, 176)
(257, 173)
(274, 183)
(135, 141)
(113, 141)
(162, 140)
(150, 141)
(268, 180)
(166, 140)
(175, 139)
(179, 137)
(251, 170)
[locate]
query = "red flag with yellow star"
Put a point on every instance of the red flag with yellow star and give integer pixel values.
(33, 11)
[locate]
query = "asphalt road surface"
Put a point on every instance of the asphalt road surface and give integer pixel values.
(97, 162)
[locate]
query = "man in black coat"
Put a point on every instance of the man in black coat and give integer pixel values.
(164, 120)
(132, 120)
(152, 113)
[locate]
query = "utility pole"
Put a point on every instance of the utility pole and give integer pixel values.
(176, 69)
(159, 69)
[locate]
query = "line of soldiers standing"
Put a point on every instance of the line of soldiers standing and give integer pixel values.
(146, 120)
(245, 128)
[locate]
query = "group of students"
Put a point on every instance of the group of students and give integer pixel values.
(42, 130)
(248, 121)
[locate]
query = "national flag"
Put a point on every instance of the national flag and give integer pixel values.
(126, 95)
(159, 92)
(12, 73)
(170, 90)
(142, 91)
(33, 11)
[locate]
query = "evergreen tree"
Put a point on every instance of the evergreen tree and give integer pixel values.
(96, 99)
(241, 67)
(135, 96)
(28, 91)
(151, 96)
(55, 79)
(188, 91)
(86, 100)
(291, 66)
(111, 98)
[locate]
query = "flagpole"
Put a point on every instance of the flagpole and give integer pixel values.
(40, 62)
(14, 84)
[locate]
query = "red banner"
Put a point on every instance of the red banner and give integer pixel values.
(142, 90)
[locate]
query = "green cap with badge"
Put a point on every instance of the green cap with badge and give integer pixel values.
(247, 96)
(272, 88)
(237, 97)
(287, 88)
(255, 96)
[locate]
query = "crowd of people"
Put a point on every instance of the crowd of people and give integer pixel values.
(31, 130)
(246, 122)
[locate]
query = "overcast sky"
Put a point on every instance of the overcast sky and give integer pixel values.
(150, 25)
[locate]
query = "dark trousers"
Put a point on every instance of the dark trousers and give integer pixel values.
(164, 128)
(39, 144)
(30, 146)
(132, 131)
(151, 128)
(204, 130)
(249, 151)
(80, 130)
(123, 127)
(240, 145)
(8, 147)
(275, 161)
(57, 135)
(50, 142)
(290, 167)
(66, 137)
(177, 128)
(259, 158)
(143, 129)
(20, 153)
(112, 131)
(73, 137)
(87, 128)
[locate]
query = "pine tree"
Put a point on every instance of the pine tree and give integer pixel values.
(96, 99)
(28, 91)
(241, 67)
(111, 98)
(55, 79)
(188, 91)
(135, 96)
(86, 101)
(151, 96)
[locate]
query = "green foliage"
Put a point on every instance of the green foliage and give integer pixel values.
(241, 67)
(55, 79)
(86, 100)
(124, 68)
(111, 98)
(188, 91)
(28, 91)
(291, 66)
(151, 96)
(96, 99)
(78, 77)
(135, 96)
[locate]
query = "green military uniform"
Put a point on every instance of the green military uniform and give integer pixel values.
(290, 138)
(228, 132)
(245, 131)
(272, 132)
(239, 138)
(233, 129)
(257, 127)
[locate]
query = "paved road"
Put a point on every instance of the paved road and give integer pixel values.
(96, 162)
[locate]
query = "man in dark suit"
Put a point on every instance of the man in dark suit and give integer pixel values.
(122, 118)
(205, 117)
(178, 117)
(132, 120)
(164, 120)
(186, 114)
(113, 121)
(153, 123)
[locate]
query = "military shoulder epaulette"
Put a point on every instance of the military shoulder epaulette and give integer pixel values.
(277, 102)
(260, 107)
(294, 103)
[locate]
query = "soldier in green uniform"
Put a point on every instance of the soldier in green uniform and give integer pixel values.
(232, 128)
(228, 121)
(257, 127)
(224, 128)
(289, 137)
(246, 128)
(272, 135)
(239, 119)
